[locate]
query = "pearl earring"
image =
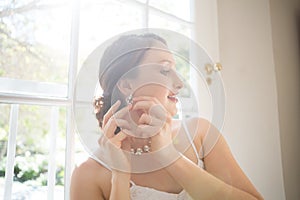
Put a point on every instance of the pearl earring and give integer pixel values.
(129, 99)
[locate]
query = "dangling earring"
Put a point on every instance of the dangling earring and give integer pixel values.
(129, 99)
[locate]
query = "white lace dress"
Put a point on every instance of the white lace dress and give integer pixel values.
(145, 193)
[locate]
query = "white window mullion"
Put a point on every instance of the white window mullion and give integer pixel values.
(52, 153)
(70, 132)
(70, 152)
(11, 151)
(146, 15)
(170, 17)
(205, 17)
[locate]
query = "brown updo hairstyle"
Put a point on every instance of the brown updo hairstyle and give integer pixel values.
(120, 57)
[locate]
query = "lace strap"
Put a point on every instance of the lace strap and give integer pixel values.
(131, 182)
(200, 162)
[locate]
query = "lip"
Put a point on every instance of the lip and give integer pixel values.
(173, 98)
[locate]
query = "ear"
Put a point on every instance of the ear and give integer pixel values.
(125, 86)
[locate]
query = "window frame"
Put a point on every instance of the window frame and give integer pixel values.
(63, 98)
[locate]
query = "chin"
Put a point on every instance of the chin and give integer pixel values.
(172, 112)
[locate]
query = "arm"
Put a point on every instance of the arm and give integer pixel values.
(223, 178)
(112, 145)
(89, 180)
(83, 184)
(120, 188)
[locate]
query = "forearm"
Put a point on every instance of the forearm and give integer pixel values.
(120, 186)
(202, 185)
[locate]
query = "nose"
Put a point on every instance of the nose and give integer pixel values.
(177, 82)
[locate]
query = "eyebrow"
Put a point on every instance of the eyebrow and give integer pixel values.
(166, 60)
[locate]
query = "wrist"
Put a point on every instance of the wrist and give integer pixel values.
(120, 176)
(167, 155)
(120, 185)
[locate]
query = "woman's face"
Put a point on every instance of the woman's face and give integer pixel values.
(157, 77)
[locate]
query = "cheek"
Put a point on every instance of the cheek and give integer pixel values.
(152, 80)
(146, 90)
(161, 95)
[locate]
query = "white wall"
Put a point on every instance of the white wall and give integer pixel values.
(244, 47)
(252, 128)
(287, 68)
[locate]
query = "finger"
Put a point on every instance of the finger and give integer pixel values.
(143, 105)
(102, 140)
(150, 120)
(110, 127)
(110, 112)
(145, 119)
(115, 121)
(123, 112)
(122, 123)
(145, 98)
(117, 139)
(112, 124)
(158, 111)
(120, 136)
(146, 131)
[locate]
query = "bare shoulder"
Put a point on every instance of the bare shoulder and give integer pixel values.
(218, 158)
(90, 180)
(199, 128)
(91, 169)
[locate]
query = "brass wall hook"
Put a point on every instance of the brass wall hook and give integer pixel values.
(216, 67)
(210, 68)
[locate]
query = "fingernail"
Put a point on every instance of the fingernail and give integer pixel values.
(129, 106)
(127, 132)
(117, 103)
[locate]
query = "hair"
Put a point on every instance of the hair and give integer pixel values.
(120, 57)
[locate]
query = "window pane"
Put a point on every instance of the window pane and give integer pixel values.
(33, 88)
(4, 128)
(141, 1)
(179, 8)
(100, 20)
(34, 38)
(32, 151)
(157, 21)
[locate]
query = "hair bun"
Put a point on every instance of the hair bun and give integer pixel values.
(98, 104)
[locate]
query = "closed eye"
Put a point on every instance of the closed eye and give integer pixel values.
(165, 71)
(166, 68)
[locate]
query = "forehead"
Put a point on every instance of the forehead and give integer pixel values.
(159, 52)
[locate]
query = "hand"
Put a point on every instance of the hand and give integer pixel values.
(115, 149)
(155, 122)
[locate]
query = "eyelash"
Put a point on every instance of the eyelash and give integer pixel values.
(165, 69)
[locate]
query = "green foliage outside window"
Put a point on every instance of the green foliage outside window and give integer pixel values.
(31, 161)
(26, 53)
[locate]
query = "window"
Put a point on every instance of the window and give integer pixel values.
(43, 44)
